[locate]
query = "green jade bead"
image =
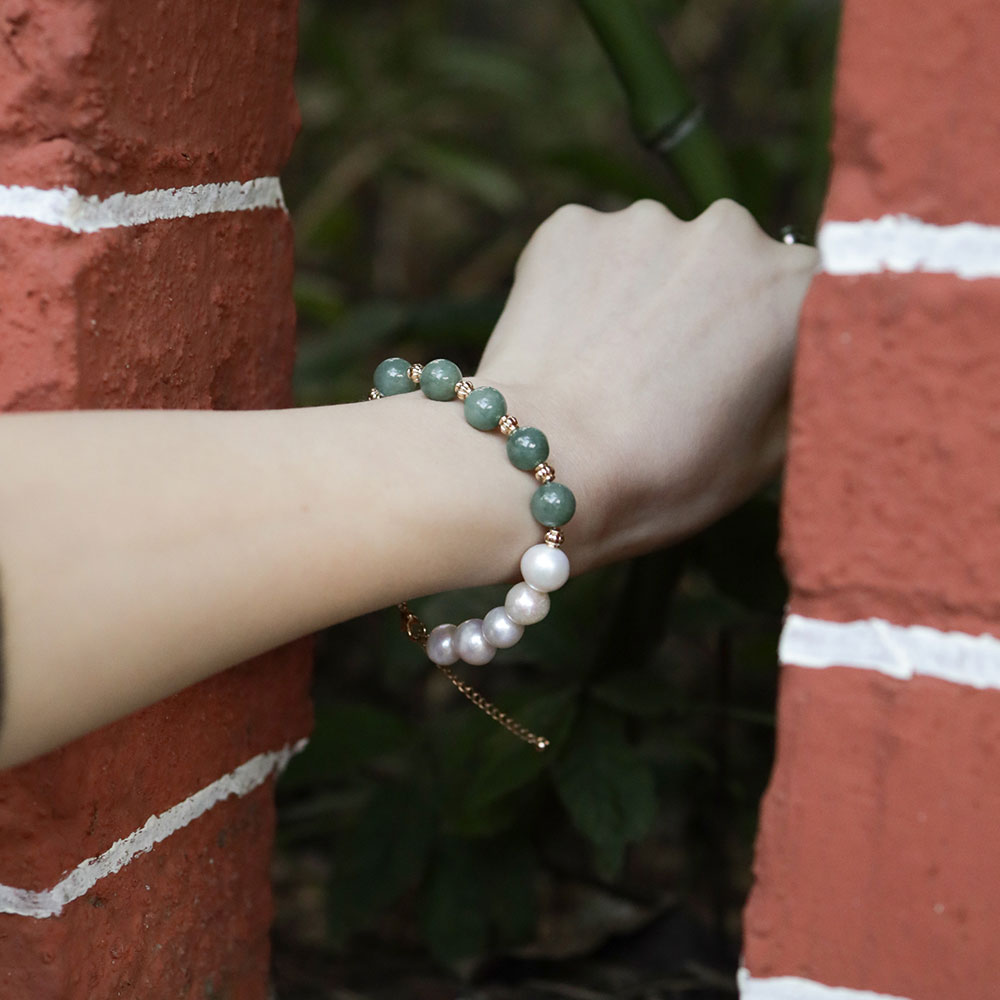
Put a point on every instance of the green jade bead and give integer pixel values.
(552, 505)
(526, 447)
(391, 378)
(484, 407)
(438, 379)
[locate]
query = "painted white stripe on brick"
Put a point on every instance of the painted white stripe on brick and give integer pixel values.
(902, 651)
(794, 988)
(67, 208)
(49, 902)
(901, 243)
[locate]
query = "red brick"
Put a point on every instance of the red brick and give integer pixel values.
(214, 329)
(891, 505)
(115, 95)
(879, 855)
(189, 919)
(107, 96)
(39, 265)
(915, 109)
(74, 803)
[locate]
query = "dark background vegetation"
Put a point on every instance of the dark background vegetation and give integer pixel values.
(422, 851)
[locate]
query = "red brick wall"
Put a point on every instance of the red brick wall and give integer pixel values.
(878, 859)
(105, 97)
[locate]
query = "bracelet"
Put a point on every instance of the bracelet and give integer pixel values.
(544, 566)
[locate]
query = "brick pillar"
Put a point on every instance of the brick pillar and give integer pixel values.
(878, 858)
(134, 863)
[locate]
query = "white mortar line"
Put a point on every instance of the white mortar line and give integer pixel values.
(904, 244)
(901, 651)
(794, 988)
(67, 208)
(50, 902)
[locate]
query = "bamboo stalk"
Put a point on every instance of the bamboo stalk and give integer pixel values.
(664, 115)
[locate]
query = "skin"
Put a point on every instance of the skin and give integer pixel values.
(145, 550)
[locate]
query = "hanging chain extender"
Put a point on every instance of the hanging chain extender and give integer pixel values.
(416, 631)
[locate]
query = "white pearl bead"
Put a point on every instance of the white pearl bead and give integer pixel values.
(545, 568)
(441, 645)
(499, 630)
(471, 644)
(525, 605)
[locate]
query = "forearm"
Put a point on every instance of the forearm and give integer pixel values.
(143, 551)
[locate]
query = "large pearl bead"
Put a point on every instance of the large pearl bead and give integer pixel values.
(441, 645)
(545, 568)
(525, 605)
(471, 644)
(499, 630)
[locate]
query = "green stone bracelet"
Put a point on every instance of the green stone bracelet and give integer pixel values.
(545, 567)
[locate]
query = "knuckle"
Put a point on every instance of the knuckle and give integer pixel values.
(568, 222)
(648, 208)
(570, 214)
(725, 212)
(648, 214)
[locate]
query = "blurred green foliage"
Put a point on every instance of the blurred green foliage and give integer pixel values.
(436, 135)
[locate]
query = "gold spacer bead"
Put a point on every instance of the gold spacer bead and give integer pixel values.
(507, 425)
(554, 538)
(463, 388)
(413, 373)
(544, 473)
(374, 394)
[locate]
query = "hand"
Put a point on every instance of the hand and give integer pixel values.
(655, 354)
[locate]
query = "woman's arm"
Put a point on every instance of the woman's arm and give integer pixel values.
(142, 551)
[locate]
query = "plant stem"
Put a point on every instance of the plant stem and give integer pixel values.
(664, 116)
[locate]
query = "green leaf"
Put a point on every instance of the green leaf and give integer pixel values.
(358, 330)
(486, 802)
(635, 692)
(740, 553)
(453, 905)
(318, 299)
(459, 168)
(607, 170)
(488, 68)
(509, 763)
(510, 882)
(383, 856)
(346, 734)
(607, 789)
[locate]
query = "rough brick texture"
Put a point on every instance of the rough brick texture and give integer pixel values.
(189, 919)
(879, 864)
(892, 507)
(880, 832)
(916, 124)
(123, 329)
(112, 95)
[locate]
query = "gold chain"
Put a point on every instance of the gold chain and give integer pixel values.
(416, 631)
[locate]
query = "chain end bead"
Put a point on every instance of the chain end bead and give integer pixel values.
(375, 394)
(415, 629)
